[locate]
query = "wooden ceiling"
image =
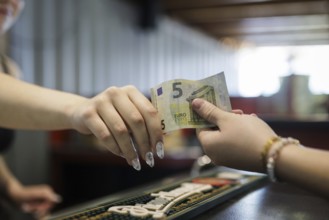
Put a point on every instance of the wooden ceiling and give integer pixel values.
(260, 22)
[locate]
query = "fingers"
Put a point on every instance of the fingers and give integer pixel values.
(208, 111)
(109, 127)
(136, 123)
(98, 127)
(119, 139)
(127, 123)
(39, 200)
(39, 192)
(151, 121)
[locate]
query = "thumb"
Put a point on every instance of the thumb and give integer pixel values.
(207, 110)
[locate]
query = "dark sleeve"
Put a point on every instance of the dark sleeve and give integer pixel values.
(6, 138)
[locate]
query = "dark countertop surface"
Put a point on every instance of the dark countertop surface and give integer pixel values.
(264, 201)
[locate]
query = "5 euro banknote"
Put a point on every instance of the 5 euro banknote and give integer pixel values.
(173, 100)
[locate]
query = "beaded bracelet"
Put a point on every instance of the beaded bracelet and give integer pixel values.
(274, 154)
(266, 149)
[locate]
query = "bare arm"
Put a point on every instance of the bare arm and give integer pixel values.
(5, 176)
(28, 106)
(306, 167)
(115, 116)
(240, 141)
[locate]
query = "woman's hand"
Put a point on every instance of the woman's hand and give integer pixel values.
(125, 121)
(238, 142)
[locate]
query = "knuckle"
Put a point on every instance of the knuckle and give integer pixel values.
(104, 136)
(137, 118)
(112, 91)
(88, 112)
(130, 88)
(152, 112)
(120, 129)
(99, 100)
(210, 113)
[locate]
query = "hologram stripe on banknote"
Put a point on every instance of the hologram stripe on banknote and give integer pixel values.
(173, 100)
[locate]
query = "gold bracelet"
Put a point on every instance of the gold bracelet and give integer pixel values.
(274, 154)
(267, 148)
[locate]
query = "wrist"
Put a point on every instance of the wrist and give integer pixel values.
(273, 155)
(71, 109)
(286, 161)
(13, 186)
(266, 148)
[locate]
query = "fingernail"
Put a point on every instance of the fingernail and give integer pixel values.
(160, 150)
(149, 159)
(136, 164)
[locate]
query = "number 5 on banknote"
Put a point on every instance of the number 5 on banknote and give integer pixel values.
(173, 100)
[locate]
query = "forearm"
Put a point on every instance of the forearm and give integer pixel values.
(27, 106)
(306, 167)
(6, 178)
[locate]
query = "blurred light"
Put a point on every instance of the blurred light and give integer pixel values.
(260, 68)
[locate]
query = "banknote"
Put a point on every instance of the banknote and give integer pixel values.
(173, 100)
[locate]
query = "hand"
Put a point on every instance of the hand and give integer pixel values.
(239, 141)
(37, 199)
(125, 121)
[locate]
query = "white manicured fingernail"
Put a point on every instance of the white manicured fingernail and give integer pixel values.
(136, 164)
(160, 149)
(149, 159)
